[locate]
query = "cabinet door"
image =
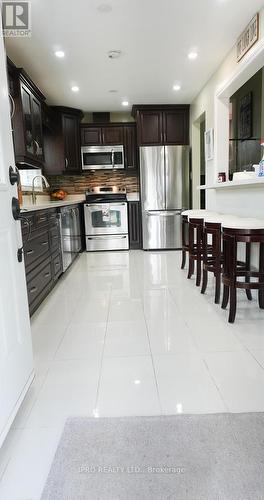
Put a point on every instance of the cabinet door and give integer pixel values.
(37, 128)
(70, 127)
(112, 135)
(91, 136)
(28, 121)
(134, 225)
(150, 131)
(130, 147)
(176, 127)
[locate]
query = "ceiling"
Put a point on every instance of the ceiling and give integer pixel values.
(155, 37)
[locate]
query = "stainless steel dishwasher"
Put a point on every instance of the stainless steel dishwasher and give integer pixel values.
(70, 229)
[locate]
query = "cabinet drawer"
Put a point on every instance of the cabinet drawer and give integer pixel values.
(56, 264)
(53, 217)
(36, 247)
(37, 284)
(41, 219)
(54, 235)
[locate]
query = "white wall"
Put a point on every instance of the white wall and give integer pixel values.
(248, 201)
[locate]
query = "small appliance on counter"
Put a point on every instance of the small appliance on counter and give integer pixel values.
(106, 220)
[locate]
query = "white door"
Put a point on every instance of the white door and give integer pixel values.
(16, 360)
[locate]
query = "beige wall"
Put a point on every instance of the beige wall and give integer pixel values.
(205, 103)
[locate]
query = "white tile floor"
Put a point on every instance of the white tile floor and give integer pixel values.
(128, 334)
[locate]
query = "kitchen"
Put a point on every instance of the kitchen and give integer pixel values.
(110, 170)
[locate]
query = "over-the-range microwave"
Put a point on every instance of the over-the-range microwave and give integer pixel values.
(102, 157)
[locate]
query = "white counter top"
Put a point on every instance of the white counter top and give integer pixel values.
(247, 183)
(133, 197)
(42, 205)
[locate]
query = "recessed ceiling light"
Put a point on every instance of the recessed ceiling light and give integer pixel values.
(59, 53)
(104, 8)
(193, 54)
(125, 103)
(75, 88)
(176, 87)
(114, 54)
(137, 382)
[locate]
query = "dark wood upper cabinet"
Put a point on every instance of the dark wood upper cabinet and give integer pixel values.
(113, 135)
(91, 136)
(62, 142)
(71, 131)
(150, 131)
(130, 147)
(158, 125)
(26, 114)
(176, 127)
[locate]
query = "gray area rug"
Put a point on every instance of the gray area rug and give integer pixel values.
(185, 457)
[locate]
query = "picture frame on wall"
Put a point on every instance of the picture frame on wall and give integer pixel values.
(209, 144)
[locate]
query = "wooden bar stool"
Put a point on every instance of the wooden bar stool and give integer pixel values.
(244, 231)
(212, 254)
(185, 230)
(212, 250)
(196, 224)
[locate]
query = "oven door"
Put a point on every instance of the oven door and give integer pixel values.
(106, 218)
(102, 157)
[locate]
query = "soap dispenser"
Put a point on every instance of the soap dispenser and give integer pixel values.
(261, 163)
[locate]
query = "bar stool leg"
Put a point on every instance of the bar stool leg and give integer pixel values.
(191, 269)
(225, 297)
(261, 270)
(199, 256)
(217, 287)
(191, 247)
(233, 304)
(247, 280)
(204, 281)
(183, 259)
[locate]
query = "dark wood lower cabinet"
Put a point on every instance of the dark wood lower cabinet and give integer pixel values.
(134, 225)
(42, 255)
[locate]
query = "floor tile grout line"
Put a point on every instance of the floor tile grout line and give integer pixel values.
(216, 386)
(103, 350)
(152, 362)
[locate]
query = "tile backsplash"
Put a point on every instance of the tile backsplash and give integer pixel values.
(74, 184)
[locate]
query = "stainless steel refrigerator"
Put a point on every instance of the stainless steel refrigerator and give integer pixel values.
(165, 181)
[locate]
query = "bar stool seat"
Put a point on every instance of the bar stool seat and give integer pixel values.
(242, 231)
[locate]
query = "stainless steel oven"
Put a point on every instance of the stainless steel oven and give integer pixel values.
(102, 157)
(106, 221)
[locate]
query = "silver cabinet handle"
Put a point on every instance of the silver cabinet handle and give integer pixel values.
(45, 243)
(37, 146)
(29, 252)
(66, 163)
(13, 106)
(46, 275)
(33, 289)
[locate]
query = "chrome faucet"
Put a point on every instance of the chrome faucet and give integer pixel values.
(34, 196)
